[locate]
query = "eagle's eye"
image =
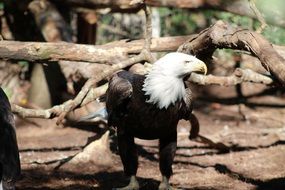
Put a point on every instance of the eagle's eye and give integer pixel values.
(187, 61)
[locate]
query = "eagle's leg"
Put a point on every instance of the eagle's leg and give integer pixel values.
(129, 157)
(167, 149)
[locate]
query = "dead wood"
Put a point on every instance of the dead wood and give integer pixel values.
(62, 110)
(258, 16)
(145, 55)
(239, 76)
(109, 53)
(203, 44)
(222, 35)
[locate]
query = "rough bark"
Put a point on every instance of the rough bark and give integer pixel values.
(222, 35)
(109, 53)
(238, 77)
(88, 95)
(240, 7)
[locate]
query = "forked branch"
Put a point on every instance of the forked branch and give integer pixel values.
(62, 110)
(222, 35)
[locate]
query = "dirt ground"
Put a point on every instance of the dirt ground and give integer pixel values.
(255, 135)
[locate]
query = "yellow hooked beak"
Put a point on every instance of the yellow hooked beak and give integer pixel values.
(199, 67)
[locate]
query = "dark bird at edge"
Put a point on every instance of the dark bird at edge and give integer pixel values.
(9, 155)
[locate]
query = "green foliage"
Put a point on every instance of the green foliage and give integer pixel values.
(272, 10)
(274, 34)
(176, 22)
(184, 22)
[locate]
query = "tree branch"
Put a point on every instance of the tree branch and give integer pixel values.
(258, 16)
(219, 35)
(239, 76)
(222, 35)
(145, 55)
(109, 53)
(71, 105)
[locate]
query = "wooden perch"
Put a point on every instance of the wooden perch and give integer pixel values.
(109, 53)
(239, 76)
(204, 44)
(62, 110)
(145, 55)
(72, 104)
(55, 111)
(222, 35)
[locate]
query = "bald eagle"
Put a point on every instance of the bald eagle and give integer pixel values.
(9, 154)
(149, 107)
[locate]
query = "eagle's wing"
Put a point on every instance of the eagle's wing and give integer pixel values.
(118, 95)
(187, 114)
(186, 109)
(9, 154)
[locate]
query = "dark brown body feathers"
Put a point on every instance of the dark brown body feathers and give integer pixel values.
(9, 155)
(128, 110)
(133, 117)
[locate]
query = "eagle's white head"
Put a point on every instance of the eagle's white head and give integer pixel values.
(164, 83)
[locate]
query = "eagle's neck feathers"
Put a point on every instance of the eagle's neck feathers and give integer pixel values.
(163, 89)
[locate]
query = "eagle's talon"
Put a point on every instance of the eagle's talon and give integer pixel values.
(133, 185)
(164, 185)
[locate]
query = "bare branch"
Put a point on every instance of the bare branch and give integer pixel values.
(92, 81)
(58, 109)
(94, 93)
(239, 76)
(217, 36)
(258, 16)
(109, 53)
(145, 55)
(222, 35)
(70, 105)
